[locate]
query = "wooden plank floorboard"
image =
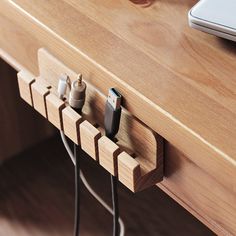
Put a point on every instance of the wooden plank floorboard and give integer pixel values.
(37, 198)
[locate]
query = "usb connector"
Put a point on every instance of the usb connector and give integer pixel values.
(111, 124)
(112, 113)
(114, 99)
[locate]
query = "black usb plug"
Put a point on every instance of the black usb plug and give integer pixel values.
(112, 113)
(111, 124)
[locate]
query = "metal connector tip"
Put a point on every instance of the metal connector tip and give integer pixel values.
(79, 79)
(114, 98)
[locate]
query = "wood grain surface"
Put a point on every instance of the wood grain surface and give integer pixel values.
(37, 198)
(187, 116)
(178, 81)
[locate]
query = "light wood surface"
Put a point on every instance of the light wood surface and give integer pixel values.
(133, 136)
(182, 79)
(135, 176)
(89, 136)
(39, 93)
(71, 121)
(101, 149)
(54, 107)
(184, 113)
(25, 80)
(130, 170)
(108, 152)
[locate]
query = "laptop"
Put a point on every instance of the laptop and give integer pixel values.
(217, 17)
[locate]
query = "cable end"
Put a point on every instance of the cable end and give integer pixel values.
(77, 93)
(112, 113)
(62, 85)
(114, 98)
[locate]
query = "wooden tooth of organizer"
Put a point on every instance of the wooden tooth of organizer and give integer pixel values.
(39, 93)
(108, 153)
(89, 137)
(54, 107)
(25, 80)
(138, 173)
(71, 124)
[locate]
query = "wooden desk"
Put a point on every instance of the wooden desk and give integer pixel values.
(182, 84)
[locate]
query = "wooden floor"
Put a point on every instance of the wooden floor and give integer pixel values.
(37, 198)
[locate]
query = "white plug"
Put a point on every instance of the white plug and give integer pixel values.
(62, 85)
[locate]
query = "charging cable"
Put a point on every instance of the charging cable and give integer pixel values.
(89, 187)
(63, 83)
(76, 101)
(111, 124)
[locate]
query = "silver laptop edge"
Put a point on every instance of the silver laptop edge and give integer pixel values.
(210, 27)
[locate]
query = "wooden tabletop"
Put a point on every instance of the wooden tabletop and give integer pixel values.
(183, 80)
(178, 81)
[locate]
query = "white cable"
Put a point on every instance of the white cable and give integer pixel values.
(88, 186)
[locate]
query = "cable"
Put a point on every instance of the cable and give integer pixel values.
(67, 147)
(75, 158)
(88, 186)
(115, 205)
(111, 124)
(76, 101)
(63, 83)
(112, 120)
(77, 189)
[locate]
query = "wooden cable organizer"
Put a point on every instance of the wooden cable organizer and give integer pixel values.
(137, 156)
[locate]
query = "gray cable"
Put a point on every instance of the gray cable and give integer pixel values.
(88, 186)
